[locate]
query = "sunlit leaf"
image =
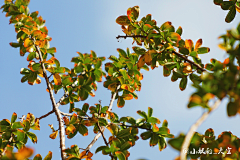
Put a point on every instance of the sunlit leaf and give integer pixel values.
(24, 153)
(57, 79)
(54, 135)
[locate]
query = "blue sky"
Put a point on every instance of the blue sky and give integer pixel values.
(79, 25)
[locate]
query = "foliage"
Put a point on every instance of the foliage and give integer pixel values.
(162, 45)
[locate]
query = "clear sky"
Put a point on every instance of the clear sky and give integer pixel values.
(81, 25)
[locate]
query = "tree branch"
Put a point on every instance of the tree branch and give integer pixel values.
(55, 107)
(133, 36)
(178, 54)
(106, 116)
(193, 128)
(191, 62)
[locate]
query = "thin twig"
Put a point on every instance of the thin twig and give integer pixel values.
(102, 134)
(45, 115)
(133, 36)
(55, 108)
(103, 128)
(193, 128)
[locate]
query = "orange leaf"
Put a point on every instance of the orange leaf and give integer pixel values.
(127, 97)
(196, 99)
(39, 35)
(189, 44)
(54, 135)
(141, 61)
(25, 30)
(125, 86)
(57, 79)
(66, 120)
(226, 61)
(24, 153)
(38, 80)
(198, 44)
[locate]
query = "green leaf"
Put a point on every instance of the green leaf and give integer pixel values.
(48, 156)
(14, 117)
(153, 120)
(217, 2)
(133, 13)
(122, 53)
(183, 83)
(32, 136)
(184, 51)
(124, 133)
(231, 14)
(225, 5)
(162, 143)
(83, 130)
(125, 146)
(120, 102)
(150, 111)
(166, 71)
(113, 58)
(51, 50)
(143, 114)
(165, 123)
(153, 140)
(176, 143)
(38, 157)
(20, 135)
(203, 50)
(17, 125)
(85, 107)
(232, 109)
(101, 148)
(15, 45)
(31, 56)
(123, 20)
(146, 135)
(120, 155)
(179, 30)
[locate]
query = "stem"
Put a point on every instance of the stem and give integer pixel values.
(103, 128)
(55, 107)
(193, 128)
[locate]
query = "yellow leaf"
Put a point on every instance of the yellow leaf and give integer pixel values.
(24, 153)
(54, 135)
(70, 129)
(57, 79)
(187, 68)
(28, 42)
